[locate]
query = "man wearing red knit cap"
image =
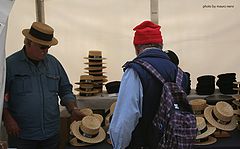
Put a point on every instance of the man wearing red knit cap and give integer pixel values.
(139, 94)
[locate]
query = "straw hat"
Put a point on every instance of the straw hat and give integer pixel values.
(95, 55)
(221, 116)
(206, 141)
(198, 106)
(85, 79)
(109, 116)
(40, 33)
(204, 130)
(88, 130)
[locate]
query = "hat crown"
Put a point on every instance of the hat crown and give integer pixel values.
(86, 111)
(41, 27)
(86, 77)
(147, 33)
(198, 104)
(91, 122)
(95, 53)
(223, 111)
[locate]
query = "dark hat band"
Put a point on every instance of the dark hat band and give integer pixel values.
(40, 35)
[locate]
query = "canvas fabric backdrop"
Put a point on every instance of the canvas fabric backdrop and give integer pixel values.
(204, 33)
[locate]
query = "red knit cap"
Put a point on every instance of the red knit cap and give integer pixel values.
(147, 32)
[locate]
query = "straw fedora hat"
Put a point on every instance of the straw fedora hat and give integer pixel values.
(206, 141)
(204, 130)
(40, 33)
(109, 115)
(221, 116)
(95, 55)
(88, 130)
(198, 106)
(85, 79)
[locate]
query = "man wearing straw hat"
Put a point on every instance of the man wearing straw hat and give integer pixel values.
(34, 81)
(138, 99)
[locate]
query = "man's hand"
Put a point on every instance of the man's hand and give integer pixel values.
(77, 115)
(11, 125)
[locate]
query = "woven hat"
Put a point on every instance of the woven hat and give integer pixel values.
(88, 130)
(206, 141)
(95, 55)
(147, 32)
(85, 79)
(221, 116)
(204, 130)
(198, 106)
(40, 33)
(109, 115)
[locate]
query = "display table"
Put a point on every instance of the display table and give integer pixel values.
(104, 101)
(223, 143)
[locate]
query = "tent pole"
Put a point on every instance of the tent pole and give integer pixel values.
(154, 11)
(40, 16)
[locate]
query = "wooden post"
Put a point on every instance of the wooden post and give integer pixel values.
(40, 16)
(154, 11)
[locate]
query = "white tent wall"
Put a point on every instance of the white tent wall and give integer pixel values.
(205, 39)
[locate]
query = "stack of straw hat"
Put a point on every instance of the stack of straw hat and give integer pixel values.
(86, 86)
(198, 106)
(88, 131)
(95, 68)
(204, 133)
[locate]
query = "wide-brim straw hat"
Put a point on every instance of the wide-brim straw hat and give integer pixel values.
(221, 112)
(75, 142)
(107, 118)
(90, 125)
(85, 79)
(202, 126)
(198, 106)
(210, 140)
(95, 55)
(40, 33)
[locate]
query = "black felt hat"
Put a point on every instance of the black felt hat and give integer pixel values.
(112, 87)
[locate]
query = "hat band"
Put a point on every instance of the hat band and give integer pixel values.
(40, 35)
(95, 65)
(220, 121)
(87, 135)
(95, 56)
(86, 81)
(95, 70)
(86, 89)
(202, 131)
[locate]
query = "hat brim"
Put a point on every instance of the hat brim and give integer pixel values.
(99, 138)
(210, 140)
(53, 42)
(208, 115)
(236, 102)
(210, 130)
(74, 142)
(95, 73)
(95, 68)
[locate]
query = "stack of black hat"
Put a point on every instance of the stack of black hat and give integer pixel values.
(225, 83)
(205, 85)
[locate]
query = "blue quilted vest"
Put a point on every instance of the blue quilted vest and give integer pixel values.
(144, 135)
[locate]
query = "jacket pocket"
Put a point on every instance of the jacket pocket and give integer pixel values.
(21, 84)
